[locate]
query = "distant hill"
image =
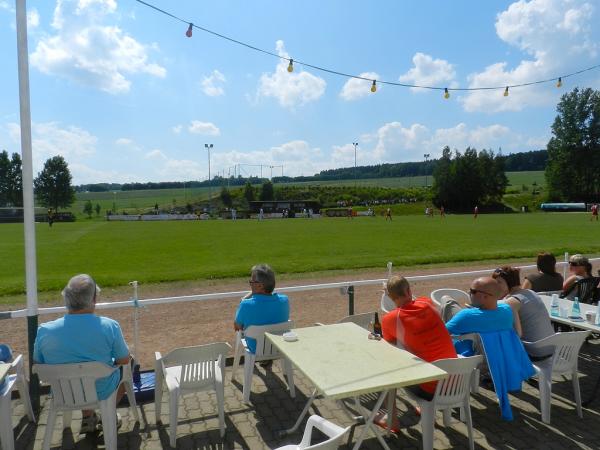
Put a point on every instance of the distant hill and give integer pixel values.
(515, 162)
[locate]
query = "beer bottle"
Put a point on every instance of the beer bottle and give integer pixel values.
(377, 326)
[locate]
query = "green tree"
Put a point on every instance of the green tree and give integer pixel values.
(53, 184)
(4, 177)
(226, 197)
(573, 169)
(468, 179)
(98, 208)
(15, 196)
(88, 208)
(11, 185)
(266, 191)
(248, 192)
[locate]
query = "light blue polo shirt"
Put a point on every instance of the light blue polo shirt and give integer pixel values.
(262, 309)
(82, 338)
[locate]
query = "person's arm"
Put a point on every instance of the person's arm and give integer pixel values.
(120, 350)
(238, 322)
(569, 282)
(456, 325)
(526, 284)
(515, 305)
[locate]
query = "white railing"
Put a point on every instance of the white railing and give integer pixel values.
(135, 303)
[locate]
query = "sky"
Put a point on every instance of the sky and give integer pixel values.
(125, 96)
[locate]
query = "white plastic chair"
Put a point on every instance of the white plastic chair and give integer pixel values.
(264, 352)
(453, 391)
(566, 352)
(15, 378)
(73, 388)
(387, 304)
(460, 296)
(186, 370)
(334, 432)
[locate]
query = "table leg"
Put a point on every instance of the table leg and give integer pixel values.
(302, 415)
(369, 425)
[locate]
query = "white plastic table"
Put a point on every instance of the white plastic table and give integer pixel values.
(342, 362)
(564, 303)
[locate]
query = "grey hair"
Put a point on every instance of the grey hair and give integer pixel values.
(265, 275)
(80, 293)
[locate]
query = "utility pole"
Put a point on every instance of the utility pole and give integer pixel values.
(355, 174)
(426, 156)
(208, 147)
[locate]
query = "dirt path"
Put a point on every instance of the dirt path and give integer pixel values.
(164, 327)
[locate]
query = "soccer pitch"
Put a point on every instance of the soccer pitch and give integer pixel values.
(118, 252)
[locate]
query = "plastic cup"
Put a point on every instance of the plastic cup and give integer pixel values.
(564, 312)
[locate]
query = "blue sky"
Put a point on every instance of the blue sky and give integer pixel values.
(124, 95)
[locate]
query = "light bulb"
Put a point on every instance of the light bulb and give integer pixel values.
(188, 33)
(559, 82)
(446, 94)
(374, 86)
(290, 68)
(506, 92)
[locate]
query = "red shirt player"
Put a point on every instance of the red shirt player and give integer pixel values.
(442, 212)
(475, 212)
(594, 210)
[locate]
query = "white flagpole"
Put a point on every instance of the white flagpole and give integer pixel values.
(28, 205)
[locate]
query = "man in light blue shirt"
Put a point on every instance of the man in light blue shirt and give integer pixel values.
(261, 306)
(82, 336)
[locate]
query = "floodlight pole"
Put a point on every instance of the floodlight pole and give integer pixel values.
(208, 147)
(28, 204)
(426, 156)
(355, 174)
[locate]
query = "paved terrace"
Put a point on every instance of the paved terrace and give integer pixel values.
(256, 426)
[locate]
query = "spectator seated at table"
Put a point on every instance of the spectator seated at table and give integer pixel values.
(416, 326)
(579, 268)
(82, 336)
(547, 278)
(261, 306)
(531, 319)
(507, 360)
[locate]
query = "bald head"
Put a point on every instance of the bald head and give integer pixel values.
(485, 292)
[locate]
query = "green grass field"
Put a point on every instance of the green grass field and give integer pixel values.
(137, 201)
(118, 252)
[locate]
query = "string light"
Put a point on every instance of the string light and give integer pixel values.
(374, 86)
(290, 68)
(188, 33)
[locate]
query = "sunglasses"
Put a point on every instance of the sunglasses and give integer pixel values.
(501, 272)
(254, 282)
(475, 291)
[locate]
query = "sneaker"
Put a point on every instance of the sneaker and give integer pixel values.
(89, 424)
(119, 423)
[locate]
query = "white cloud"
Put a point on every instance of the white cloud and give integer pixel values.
(89, 52)
(124, 141)
(177, 129)
(429, 72)
(182, 169)
(557, 36)
(155, 154)
(33, 19)
(50, 139)
(84, 174)
(354, 88)
(394, 142)
(290, 89)
(205, 128)
(211, 85)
